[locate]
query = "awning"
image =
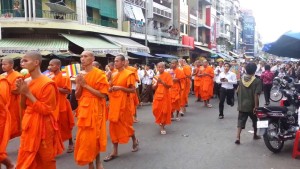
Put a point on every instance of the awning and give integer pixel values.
(127, 44)
(96, 45)
(249, 57)
(228, 56)
(143, 54)
(169, 44)
(13, 56)
(19, 45)
(234, 54)
(138, 13)
(55, 7)
(128, 11)
(223, 56)
(205, 49)
(167, 56)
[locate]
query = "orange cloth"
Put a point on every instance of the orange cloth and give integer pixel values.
(177, 89)
(187, 70)
(14, 106)
(91, 136)
(207, 85)
(121, 107)
(65, 117)
(134, 96)
(197, 81)
(5, 119)
(162, 107)
(40, 140)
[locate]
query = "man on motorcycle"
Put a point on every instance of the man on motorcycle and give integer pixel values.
(249, 90)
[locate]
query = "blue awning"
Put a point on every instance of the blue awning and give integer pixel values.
(167, 56)
(143, 54)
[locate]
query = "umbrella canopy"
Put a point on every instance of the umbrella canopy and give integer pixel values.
(288, 45)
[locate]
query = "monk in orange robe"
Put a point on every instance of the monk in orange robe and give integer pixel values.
(121, 108)
(162, 106)
(111, 70)
(5, 122)
(40, 140)
(177, 88)
(14, 105)
(134, 95)
(187, 70)
(66, 118)
(207, 85)
(91, 93)
(197, 80)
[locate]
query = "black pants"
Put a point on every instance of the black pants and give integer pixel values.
(267, 92)
(217, 88)
(227, 94)
(73, 100)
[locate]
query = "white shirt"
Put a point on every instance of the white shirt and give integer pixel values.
(147, 79)
(217, 74)
(259, 70)
(230, 76)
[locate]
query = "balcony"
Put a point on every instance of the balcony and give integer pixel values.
(161, 12)
(9, 13)
(139, 3)
(206, 2)
(56, 16)
(193, 20)
(171, 34)
(111, 24)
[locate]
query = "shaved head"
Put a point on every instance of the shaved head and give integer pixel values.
(110, 64)
(56, 62)
(161, 64)
(8, 60)
(96, 64)
(121, 57)
(7, 64)
(34, 56)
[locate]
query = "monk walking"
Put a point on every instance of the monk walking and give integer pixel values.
(177, 88)
(162, 100)
(65, 118)
(207, 85)
(91, 92)
(14, 105)
(121, 108)
(40, 140)
(197, 80)
(5, 122)
(187, 70)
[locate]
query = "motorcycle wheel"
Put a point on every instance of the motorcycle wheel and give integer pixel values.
(271, 139)
(275, 94)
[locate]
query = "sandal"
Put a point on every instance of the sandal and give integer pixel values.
(177, 119)
(163, 132)
(109, 158)
(237, 142)
(70, 149)
(209, 105)
(135, 147)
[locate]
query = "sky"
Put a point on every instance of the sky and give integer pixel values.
(274, 17)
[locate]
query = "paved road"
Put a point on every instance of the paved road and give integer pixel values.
(199, 141)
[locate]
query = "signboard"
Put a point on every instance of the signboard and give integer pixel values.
(249, 33)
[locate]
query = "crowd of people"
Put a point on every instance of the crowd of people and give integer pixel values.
(37, 108)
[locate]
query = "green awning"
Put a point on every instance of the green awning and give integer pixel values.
(96, 45)
(169, 44)
(22, 45)
(205, 49)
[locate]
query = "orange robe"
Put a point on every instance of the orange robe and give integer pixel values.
(65, 117)
(91, 138)
(5, 119)
(14, 106)
(162, 106)
(40, 140)
(197, 82)
(207, 85)
(121, 107)
(187, 72)
(134, 95)
(177, 89)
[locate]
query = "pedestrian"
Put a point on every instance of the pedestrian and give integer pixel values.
(217, 71)
(14, 105)
(248, 100)
(162, 100)
(207, 86)
(5, 122)
(197, 80)
(267, 77)
(66, 118)
(227, 79)
(187, 70)
(121, 108)
(40, 143)
(147, 92)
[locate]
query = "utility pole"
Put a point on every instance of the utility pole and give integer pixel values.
(146, 26)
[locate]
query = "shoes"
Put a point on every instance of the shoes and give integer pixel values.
(267, 103)
(256, 137)
(237, 142)
(177, 119)
(181, 113)
(221, 116)
(163, 132)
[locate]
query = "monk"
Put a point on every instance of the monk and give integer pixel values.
(207, 85)
(40, 140)
(197, 79)
(97, 65)
(121, 108)
(162, 105)
(187, 70)
(91, 93)
(66, 118)
(134, 95)
(5, 122)
(111, 70)
(177, 88)
(14, 105)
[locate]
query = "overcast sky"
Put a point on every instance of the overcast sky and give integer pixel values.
(274, 17)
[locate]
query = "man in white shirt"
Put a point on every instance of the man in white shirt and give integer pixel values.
(219, 69)
(227, 79)
(147, 93)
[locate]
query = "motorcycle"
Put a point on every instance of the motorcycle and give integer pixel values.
(278, 85)
(279, 123)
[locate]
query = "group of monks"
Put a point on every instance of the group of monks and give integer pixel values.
(35, 108)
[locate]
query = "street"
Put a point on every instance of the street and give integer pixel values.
(199, 141)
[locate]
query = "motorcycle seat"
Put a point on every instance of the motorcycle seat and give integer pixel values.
(277, 108)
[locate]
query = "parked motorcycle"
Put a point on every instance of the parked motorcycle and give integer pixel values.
(279, 124)
(278, 85)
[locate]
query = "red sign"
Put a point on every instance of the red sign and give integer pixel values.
(189, 41)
